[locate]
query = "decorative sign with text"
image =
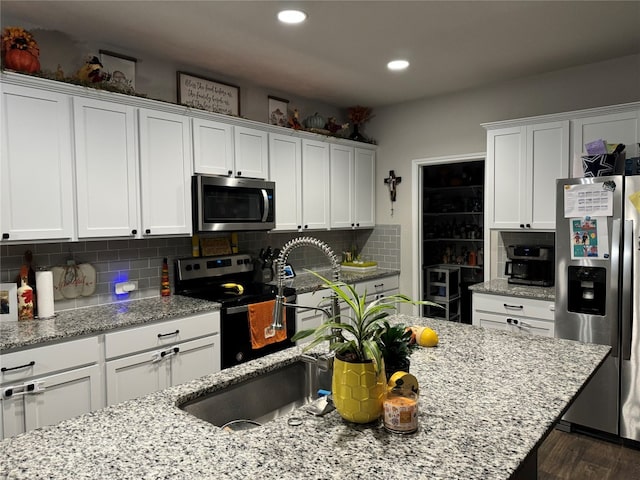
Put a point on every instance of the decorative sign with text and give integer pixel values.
(206, 94)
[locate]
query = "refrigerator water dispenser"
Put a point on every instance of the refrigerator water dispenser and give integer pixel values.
(587, 290)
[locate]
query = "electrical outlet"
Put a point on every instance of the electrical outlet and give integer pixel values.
(126, 287)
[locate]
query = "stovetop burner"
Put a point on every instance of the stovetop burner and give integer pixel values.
(228, 280)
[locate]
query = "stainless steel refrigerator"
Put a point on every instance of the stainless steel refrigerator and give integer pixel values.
(597, 294)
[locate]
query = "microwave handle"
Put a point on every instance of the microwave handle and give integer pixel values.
(265, 201)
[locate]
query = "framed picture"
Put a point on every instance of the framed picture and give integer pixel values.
(8, 302)
(121, 68)
(278, 111)
(207, 94)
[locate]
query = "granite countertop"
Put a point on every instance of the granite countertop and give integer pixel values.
(68, 324)
(94, 320)
(487, 399)
(305, 282)
(500, 286)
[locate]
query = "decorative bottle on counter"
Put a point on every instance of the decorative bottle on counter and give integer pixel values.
(165, 289)
(25, 299)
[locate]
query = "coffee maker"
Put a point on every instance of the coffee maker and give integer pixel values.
(530, 265)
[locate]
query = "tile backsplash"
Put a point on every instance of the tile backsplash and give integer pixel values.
(141, 260)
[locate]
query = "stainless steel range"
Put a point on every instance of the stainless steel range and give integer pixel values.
(230, 281)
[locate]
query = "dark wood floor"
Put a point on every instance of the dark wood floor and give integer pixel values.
(573, 456)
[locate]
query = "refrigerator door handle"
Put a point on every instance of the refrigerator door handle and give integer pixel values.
(614, 276)
(626, 304)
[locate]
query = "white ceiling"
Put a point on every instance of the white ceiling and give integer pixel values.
(339, 54)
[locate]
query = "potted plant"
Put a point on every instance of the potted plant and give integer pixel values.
(397, 343)
(359, 381)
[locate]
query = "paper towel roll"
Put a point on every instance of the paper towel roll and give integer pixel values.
(44, 286)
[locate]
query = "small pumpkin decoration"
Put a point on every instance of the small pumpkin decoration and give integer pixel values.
(20, 50)
(314, 121)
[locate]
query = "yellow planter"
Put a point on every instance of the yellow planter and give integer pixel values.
(358, 390)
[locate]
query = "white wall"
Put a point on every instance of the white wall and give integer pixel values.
(450, 125)
(156, 77)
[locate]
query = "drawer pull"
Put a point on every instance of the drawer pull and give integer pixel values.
(26, 365)
(515, 307)
(160, 335)
(379, 285)
(512, 321)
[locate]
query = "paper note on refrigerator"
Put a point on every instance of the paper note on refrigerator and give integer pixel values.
(593, 199)
(589, 238)
(634, 198)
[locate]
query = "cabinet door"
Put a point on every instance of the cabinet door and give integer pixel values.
(315, 185)
(622, 127)
(342, 186)
(195, 359)
(506, 177)
(365, 188)
(165, 173)
(55, 398)
(135, 376)
(106, 169)
(548, 159)
(36, 198)
(285, 169)
(251, 153)
(212, 147)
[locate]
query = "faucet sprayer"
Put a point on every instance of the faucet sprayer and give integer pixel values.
(278, 310)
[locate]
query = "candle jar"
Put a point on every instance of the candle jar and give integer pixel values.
(401, 410)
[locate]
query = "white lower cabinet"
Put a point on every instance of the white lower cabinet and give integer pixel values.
(514, 314)
(45, 385)
(146, 359)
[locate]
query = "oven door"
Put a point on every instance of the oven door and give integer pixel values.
(236, 337)
(232, 204)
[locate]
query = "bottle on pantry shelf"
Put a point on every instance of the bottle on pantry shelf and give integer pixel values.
(195, 245)
(165, 289)
(25, 296)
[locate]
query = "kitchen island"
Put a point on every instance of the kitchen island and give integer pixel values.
(487, 400)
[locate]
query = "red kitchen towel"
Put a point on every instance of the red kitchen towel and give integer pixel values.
(260, 319)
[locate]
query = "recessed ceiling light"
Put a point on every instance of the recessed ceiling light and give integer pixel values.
(397, 65)
(292, 16)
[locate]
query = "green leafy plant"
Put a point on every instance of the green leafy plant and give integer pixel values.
(355, 335)
(397, 343)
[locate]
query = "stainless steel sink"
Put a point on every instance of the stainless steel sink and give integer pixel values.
(264, 398)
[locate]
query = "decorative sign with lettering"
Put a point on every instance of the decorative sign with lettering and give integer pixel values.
(206, 94)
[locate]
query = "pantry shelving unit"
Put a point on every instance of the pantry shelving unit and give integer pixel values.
(443, 288)
(453, 227)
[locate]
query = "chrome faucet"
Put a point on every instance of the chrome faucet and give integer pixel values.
(278, 310)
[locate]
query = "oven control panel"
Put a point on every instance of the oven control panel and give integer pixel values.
(204, 267)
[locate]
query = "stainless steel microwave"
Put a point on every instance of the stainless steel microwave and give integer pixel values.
(226, 204)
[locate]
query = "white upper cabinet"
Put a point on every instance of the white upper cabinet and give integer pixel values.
(365, 188)
(315, 185)
(285, 169)
(165, 173)
(222, 149)
(523, 164)
(342, 186)
(619, 127)
(212, 147)
(106, 169)
(36, 165)
(251, 153)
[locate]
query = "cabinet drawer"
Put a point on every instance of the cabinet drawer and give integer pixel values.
(160, 334)
(379, 285)
(49, 358)
(514, 324)
(516, 306)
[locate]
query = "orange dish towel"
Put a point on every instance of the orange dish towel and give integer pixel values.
(260, 319)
